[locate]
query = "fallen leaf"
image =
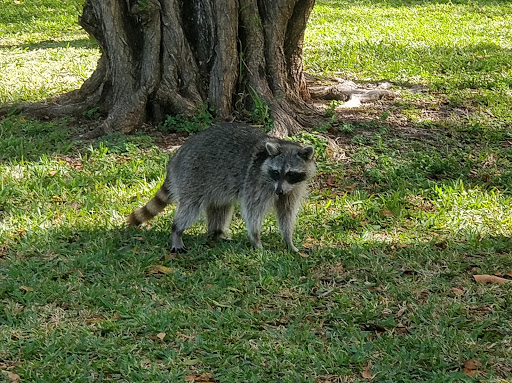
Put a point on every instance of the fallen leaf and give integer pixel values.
(53, 172)
(367, 374)
(328, 379)
(160, 269)
(331, 181)
(11, 376)
(471, 367)
(303, 255)
(458, 292)
(26, 288)
(94, 320)
(204, 378)
(190, 362)
(484, 278)
(402, 330)
(387, 213)
(350, 187)
(401, 312)
(161, 335)
(308, 243)
(75, 205)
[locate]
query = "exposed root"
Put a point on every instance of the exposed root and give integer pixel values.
(349, 92)
(290, 119)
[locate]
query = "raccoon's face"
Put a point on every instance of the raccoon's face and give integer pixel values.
(289, 165)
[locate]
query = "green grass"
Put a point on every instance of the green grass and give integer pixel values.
(460, 48)
(43, 51)
(412, 199)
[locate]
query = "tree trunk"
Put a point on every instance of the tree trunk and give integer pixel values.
(167, 57)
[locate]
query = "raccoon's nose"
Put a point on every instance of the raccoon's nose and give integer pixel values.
(279, 190)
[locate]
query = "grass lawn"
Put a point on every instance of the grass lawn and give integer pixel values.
(413, 198)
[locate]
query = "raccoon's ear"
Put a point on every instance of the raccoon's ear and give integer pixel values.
(273, 148)
(307, 152)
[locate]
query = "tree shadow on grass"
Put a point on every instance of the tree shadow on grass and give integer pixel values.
(52, 44)
(28, 139)
(94, 254)
(92, 292)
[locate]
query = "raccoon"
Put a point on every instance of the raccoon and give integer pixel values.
(226, 164)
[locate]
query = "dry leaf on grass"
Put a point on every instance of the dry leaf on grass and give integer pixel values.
(458, 292)
(26, 288)
(308, 243)
(203, 378)
(94, 320)
(485, 278)
(11, 376)
(349, 188)
(331, 181)
(471, 367)
(329, 379)
(161, 335)
(160, 269)
(367, 374)
(387, 213)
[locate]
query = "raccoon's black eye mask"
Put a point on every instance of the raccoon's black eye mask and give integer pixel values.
(295, 177)
(290, 177)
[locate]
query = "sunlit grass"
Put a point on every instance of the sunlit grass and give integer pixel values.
(460, 48)
(43, 50)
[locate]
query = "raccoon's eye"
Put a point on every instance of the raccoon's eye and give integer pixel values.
(295, 177)
(274, 174)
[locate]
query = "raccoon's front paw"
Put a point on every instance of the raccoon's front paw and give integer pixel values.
(293, 248)
(179, 250)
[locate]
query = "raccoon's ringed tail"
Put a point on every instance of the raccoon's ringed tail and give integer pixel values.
(151, 209)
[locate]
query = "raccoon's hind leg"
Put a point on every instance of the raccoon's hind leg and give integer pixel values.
(218, 219)
(184, 216)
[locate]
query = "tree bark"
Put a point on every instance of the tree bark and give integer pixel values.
(168, 57)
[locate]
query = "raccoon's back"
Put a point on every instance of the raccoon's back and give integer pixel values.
(213, 164)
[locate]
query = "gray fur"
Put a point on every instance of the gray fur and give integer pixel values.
(230, 163)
